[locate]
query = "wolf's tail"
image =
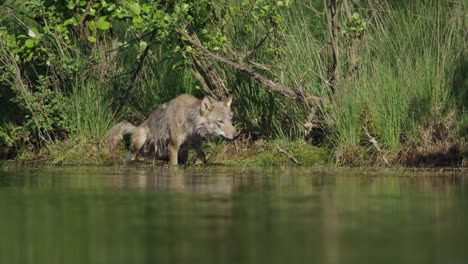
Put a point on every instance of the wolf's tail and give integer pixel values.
(116, 134)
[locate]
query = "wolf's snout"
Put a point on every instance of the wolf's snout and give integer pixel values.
(233, 135)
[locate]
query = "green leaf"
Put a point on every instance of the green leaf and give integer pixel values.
(32, 33)
(29, 43)
(119, 14)
(135, 8)
(185, 8)
(92, 39)
(70, 21)
(103, 24)
(145, 8)
(71, 5)
(60, 28)
(92, 26)
(143, 45)
(137, 20)
(356, 16)
(30, 56)
(111, 7)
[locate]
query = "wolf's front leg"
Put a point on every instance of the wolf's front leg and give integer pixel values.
(183, 155)
(173, 153)
(201, 157)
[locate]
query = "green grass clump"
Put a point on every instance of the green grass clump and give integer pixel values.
(79, 151)
(267, 153)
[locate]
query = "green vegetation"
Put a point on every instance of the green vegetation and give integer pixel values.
(371, 84)
(273, 152)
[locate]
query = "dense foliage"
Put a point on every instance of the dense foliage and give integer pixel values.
(365, 79)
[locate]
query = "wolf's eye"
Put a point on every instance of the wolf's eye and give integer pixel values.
(220, 122)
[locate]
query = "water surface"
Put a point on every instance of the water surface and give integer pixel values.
(232, 215)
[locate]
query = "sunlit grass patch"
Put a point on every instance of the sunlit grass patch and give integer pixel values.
(271, 153)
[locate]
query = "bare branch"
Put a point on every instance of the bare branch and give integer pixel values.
(376, 146)
(212, 83)
(291, 157)
(264, 81)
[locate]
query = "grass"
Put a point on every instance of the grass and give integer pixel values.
(267, 153)
(77, 151)
(404, 85)
(90, 110)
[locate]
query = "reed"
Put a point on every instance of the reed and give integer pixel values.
(407, 79)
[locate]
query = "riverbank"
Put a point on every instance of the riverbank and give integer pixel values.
(245, 152)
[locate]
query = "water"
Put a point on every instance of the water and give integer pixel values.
(232, 215)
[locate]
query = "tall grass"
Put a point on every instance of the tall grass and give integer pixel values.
(404, 83)
(90, 110)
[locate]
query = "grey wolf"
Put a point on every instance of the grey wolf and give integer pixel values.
(176, 126)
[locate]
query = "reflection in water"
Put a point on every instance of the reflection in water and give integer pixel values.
(231, 215)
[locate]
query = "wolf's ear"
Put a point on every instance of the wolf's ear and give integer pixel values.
(206, 105)
(227, 101)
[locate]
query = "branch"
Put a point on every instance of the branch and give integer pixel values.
(291, 157)
(137, 70)
(209, 74)
(258, 45)
(210, 81)
(264, 81)
(376, 145)
(86, 13)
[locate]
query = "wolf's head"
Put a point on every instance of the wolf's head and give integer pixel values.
(218, 117)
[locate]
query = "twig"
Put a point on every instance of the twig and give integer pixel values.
(291, 157)
(376, 145)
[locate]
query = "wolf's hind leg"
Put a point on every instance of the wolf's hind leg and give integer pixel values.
(116, 134)
(183, 155)
(139, 137)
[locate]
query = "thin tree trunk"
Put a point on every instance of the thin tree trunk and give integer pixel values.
(332, 25)
(353, 45)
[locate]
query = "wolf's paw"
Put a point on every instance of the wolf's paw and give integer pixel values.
(128, 158)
